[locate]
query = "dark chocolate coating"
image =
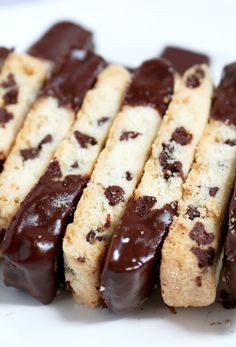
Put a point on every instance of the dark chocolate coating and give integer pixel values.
(131, 266)
(224, 100)
(33, 242)
(230, 249)
(60, 39)
(72, 77)
(152, 85)
(4, 52)
(183, 59)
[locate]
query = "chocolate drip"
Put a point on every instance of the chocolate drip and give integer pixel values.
(183, 59)
(230, 249)
(132, 262)
(60, 39)
(72, 77)
(33, 242)
(224, 100)
(152, 85)
(4, 52)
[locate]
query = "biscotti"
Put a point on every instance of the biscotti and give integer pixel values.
(48, 122)
(191, 255)
(114, 178)
(21, 78)
(45, 212)
(132, 263)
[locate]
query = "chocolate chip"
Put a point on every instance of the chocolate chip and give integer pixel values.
(84, 140)
(205, 256)
(198, 280)
(2, 234)
(200, 235)
(193, 212)
(32, 153)
(9, 82)
(170, 167)
(230, 142)
(5, 116)
(102, 120)
(75, 165)
(114, 194)
(101, 238)
(81, 259)
(29, 153)
(128, 176)
(126, 135)
(91, 237)
(108, 221)
(192, 81)
(213, 191)
(181, 136)
(144, 204)
(10, 97)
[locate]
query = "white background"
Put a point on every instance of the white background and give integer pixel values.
(126, 31)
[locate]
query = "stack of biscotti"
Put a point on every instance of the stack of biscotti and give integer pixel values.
(116, 174)
(21, 81)
(52, 200)
(131, 266)
(114, 178)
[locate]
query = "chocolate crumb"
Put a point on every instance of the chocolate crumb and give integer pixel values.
(193, 212)
(91, 237)
(128, 176)
(114, 194)
(200, 235)
(198, 280)
(81, 259)
(213, 191)
(170, 167)
(230, 142)
(181, 136)
(102, 120)
(144, 204)
(108, 221)
(172, 309)
(5, 116)
(205, 256)
(84, 140)
(192, 81)
(126, 135)
(75, 165)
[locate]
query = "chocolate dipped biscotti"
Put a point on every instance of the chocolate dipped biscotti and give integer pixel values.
(116, 174)
(132, 263)
(48, 122)
(191, 255)
(32, 247)
(21, 78)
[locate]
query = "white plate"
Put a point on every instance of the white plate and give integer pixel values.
(127, 31)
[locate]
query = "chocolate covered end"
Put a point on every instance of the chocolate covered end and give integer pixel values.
(224, 100)
(72, 77)
(131, 266)
(183, 59)
(152, 85)
(60, 39)
(229, 268)
(33, 241)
